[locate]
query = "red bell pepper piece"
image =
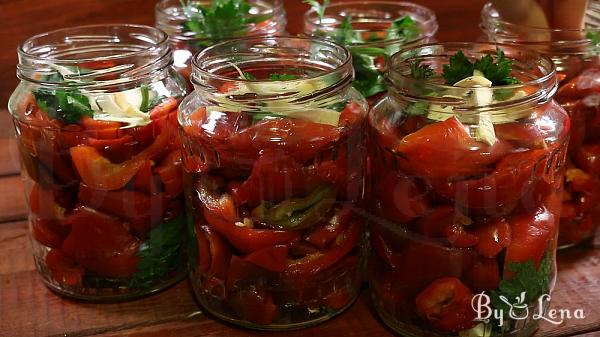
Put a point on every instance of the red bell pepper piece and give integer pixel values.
(587, 83)
(255, 305)
(139, 209)
(446, 149)
(484, 275)
(222, 205)
(493, 236)
(116, 150)
(531, 235)
(171, 174)
(63, 269)
(338, 300)
(446, 222)
(310, 265)
(248, 240)
(397, 197)
(299, 138)
(275, 177)
(46, 203)
(98, 172)
(204, 255)
(245, 274)
(587, 157)
(100, 243)
(48, 232)
(499, 191)
(101, 129)
(163, 109)
(324, 234)
(446, 304)
(272, 258)
(145, 180)
(219, 253)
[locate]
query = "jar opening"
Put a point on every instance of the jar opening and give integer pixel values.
(94, 56)
(535, 73)
(371, 21)
(272, 68)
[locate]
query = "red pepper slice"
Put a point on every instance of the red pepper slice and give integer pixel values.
(587, 83)
(116, 150)
(446, 304)
(100, 243)
(299, 138)
(63, 269)
(139, 209)
(446, 222)
(324, 234)
(587, 157)
(446, 149)
(45, 203)
(397, 197)
(145, 180)
(255, 305)
(248, 240)
(275, 177)
(338, 300)
(310, 265)
(222, 205)
(484, 275)
(171, 174)
(48, 232)
(101, 129)
(499, 191)
(272, 258)
(245, 274)
(219, 252)
(98, 172)
(531, 235)
(163, 109)
(493, 237)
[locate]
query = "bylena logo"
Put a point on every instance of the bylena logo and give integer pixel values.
(519, 310)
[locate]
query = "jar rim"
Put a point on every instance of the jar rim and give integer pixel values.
(161, 36)
(546, 82)
(311, 17)
(202, 55)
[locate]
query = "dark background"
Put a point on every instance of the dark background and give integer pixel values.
(21, 19)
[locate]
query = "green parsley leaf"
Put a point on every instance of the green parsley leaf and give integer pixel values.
(459, 67)
(283, 77)
(248, 76)
(417, 109)
(161, 253)
(420, 71)
(594, 38)
(404, 28)
(345, 34)
(534, 282)
(318, 7)
(368, 80)
(222, 19)
(66, 105)
(497, 71)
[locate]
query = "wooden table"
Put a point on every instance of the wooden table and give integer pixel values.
(27, 308)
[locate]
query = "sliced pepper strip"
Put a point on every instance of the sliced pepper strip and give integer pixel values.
(312, 264)
(100, 173)
(297, 213)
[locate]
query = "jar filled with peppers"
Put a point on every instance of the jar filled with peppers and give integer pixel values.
(95, 115)
(467, 154)
(274, 157)
(571, 37)
(373, 31)
(195, 25)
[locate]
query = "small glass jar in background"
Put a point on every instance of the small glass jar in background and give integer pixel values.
(274, 157)
(95, 117)
(465, 193)
(193, 25)
(373, 31)
(576, 53)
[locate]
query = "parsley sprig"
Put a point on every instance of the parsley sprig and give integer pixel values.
(498, 71)
(369, 79)
(67, 105)
(222, 19)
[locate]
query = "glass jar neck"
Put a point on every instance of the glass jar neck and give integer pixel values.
(535, 72)
(550, 41)
(290, 73)
(371, 22)
(95, 57)
(190, 22)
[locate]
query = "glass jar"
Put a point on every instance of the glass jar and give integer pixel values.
(95, 117)
(274, 157)
(373, 31)
(190, 32)
(576, 54)
(464, 195)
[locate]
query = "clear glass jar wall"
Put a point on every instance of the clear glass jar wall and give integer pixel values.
(274, 156)
(464, 193)
(191, 27)
(95, 117)
(576, 53)
(374, 31)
